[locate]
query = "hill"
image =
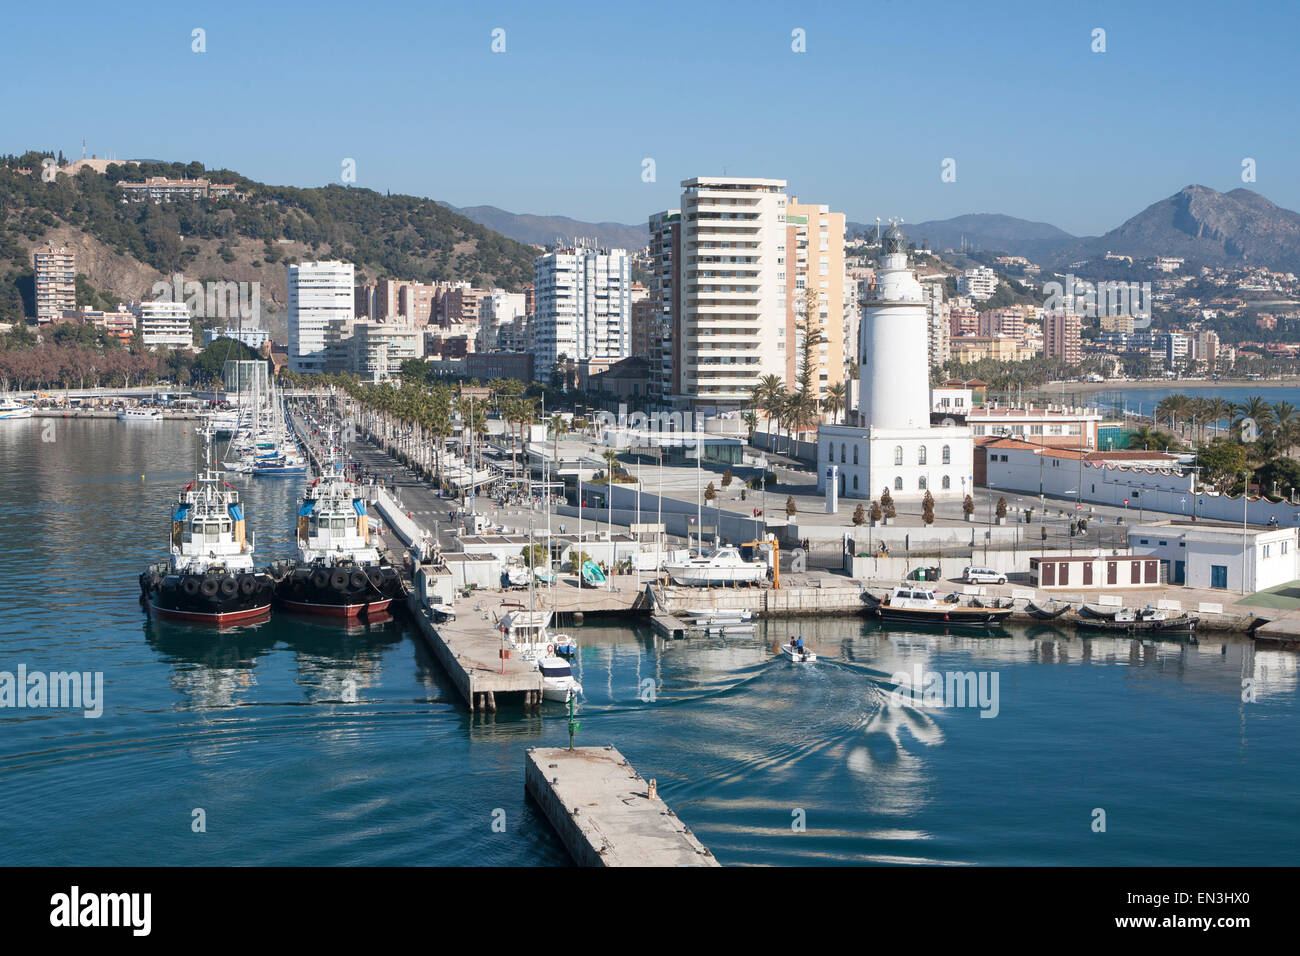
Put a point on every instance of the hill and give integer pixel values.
(122, 248)
(985, 232)
(544, 230)
(1203, 225)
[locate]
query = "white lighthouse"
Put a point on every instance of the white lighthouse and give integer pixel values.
(894, 446)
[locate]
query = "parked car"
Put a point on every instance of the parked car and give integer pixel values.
(983, 576)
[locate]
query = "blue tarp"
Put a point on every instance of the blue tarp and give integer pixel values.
(307, 508)
(236, 512)
(181, 512)
(358, 506)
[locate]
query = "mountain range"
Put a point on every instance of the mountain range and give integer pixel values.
(1196, 223)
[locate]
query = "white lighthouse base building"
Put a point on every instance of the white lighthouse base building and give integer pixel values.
(909, 462)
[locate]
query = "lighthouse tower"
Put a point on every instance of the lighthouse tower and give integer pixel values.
(893, 445)
(893, 348)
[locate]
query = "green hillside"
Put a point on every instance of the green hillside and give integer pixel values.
(123, 248)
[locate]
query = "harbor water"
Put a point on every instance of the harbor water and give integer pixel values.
(301, 742)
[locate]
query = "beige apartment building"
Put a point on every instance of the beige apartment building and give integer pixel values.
(814, 246)
(1062, 337)
(56, 284)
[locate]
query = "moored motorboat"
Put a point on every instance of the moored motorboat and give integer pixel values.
(139, 415)
(1089, 612)
(209, 577)
(1134, 620)
(914, 604)
(11, 410)
(721, 567)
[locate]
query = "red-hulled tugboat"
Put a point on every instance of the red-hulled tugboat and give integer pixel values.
(209, 578)
(339, 571)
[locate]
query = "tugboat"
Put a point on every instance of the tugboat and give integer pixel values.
(209, 577)
(339, 572)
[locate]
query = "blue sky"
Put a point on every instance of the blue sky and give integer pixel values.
(1039, 125)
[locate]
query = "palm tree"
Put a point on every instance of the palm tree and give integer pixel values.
(768, 395)
(1286, 423)
(835, 400)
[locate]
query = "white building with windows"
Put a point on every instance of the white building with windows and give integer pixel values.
(164, 323)
(894, 445)
(1208, 556)
(320, 293)
(978, 283)
(583, 306)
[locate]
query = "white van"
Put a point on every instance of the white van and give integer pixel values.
(983, 576)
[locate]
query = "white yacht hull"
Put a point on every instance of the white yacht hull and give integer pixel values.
(694, 577)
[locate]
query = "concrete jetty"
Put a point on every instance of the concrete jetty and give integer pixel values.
(605, 812)
(469, 650)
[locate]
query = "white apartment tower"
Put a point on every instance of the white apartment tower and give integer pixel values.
(320, 294)
(583, 306)
(733, 288)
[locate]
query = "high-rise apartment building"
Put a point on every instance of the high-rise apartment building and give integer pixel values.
(1062, 339)
(163, 323)
(584, 306)
(937, 334)
(319, 294)
(978, 283)
(814, 259)
(665, 297)
(733, 274)
(498, 311)
(56, 284)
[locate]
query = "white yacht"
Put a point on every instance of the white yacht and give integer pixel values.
(139, 415)
(11, 410)
(723, 566)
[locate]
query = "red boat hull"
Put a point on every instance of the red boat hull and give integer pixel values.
(220, 619)
(347, 611)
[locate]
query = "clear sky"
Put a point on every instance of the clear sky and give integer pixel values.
(1039, 125)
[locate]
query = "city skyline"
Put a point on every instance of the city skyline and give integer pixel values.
(1041, 127)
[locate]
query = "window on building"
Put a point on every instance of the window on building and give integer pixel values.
(898, 455)
(898, 484)
(1268, 550)
(1285, 547)
(947, 482)
(920, 484)
(920, 455)
(855, 482)
(855, 456)
(947, 455)
(844, 453)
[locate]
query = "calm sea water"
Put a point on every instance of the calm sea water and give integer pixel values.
(306, 743)
(1144, 400)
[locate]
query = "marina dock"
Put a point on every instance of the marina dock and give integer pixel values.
(469, 650)
(606, 813)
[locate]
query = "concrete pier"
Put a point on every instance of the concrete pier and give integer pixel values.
(605, 812)
(469, 650)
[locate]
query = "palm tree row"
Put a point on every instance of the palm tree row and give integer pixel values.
(1274, 428)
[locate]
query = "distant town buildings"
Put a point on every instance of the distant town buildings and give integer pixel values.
(162, 189)
(1062, 337)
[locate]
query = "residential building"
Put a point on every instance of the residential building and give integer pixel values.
(940, 331)
(376, 350)
(734, 277)
(120, 325)
(498, 310)
(978, 283)
(56, 284)
(665, 297)
(1062, 337)
(252, 336)
(1177, 348)
(584, 309)
(962, 320)
(162, 189)
(164, 323)
(320, 294)
(814, 259)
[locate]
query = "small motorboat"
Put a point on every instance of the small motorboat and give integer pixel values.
(798, 655)
(442, 613)
(1053, 610)
(592, 575)
(543, 576)
(564, 645)
(721, 567)
(1134, 620)
(558, 682)
(916, 604)
(723, 628)
(719, 615)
